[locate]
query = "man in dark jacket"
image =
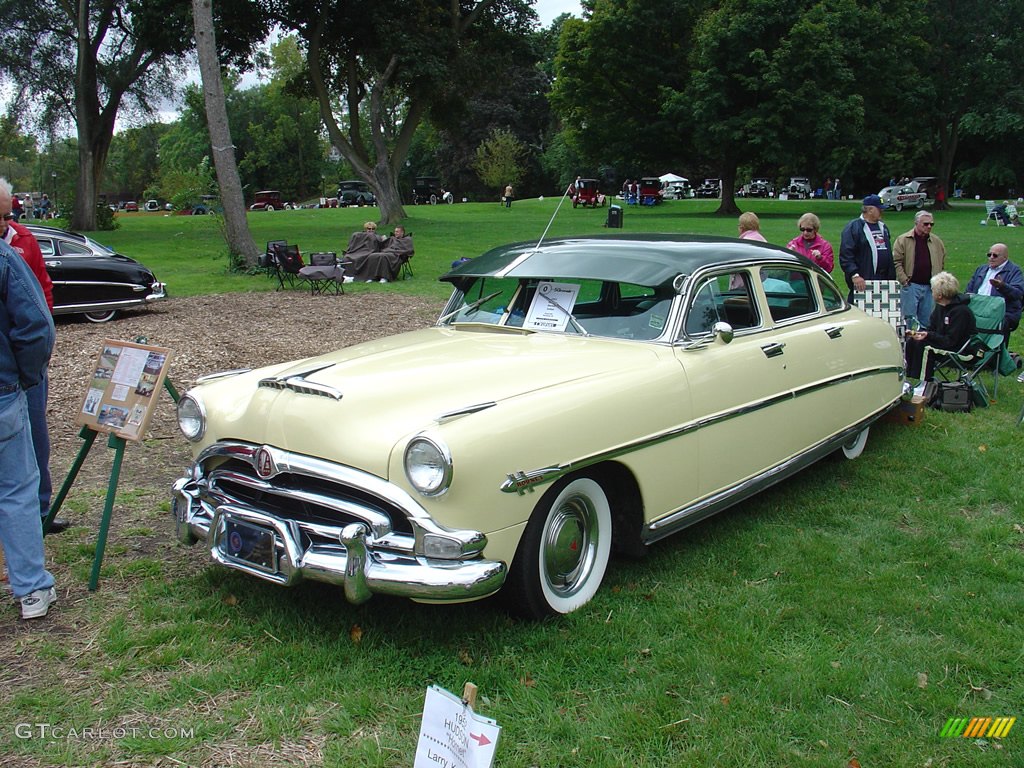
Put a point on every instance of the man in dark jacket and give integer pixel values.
(865, 249)
(1000, 277)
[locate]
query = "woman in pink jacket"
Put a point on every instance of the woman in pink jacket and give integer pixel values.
(811, 244)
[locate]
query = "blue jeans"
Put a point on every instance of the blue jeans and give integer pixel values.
(20, 531)
(916, 301)
(37, 397)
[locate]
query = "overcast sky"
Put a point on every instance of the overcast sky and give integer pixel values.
(549, 9)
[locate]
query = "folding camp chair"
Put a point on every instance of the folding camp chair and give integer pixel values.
(324, 274)
(267, 261)
(992, 212)
(985, 348)
(881, 299)
(288, 262)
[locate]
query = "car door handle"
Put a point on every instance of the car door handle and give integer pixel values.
(773, 350)
(834, 331)
(53, 262)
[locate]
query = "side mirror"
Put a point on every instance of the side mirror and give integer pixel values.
(723, 332)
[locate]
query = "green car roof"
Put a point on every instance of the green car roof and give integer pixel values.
(649, 259)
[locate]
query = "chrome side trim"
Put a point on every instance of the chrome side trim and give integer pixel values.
(684, 517)
(465, 411)
(521, 481)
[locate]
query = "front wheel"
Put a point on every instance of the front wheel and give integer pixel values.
(433, 199)
(564, 551)
(101, 316)
(898, 207)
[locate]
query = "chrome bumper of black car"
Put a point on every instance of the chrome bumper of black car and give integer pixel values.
(303, 528)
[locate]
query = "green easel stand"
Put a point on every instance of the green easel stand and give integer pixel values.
(118, 444)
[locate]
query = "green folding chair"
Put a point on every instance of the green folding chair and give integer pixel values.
(986, 348)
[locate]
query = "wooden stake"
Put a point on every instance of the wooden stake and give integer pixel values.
(469, 695)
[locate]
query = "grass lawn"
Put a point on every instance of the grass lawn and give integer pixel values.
(838, 619)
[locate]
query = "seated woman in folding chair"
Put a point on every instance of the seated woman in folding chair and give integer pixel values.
(950, 326)
(384, 264)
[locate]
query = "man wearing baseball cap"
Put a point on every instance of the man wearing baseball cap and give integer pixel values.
(865, 250)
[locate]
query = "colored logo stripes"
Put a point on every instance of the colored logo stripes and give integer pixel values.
(978, 727)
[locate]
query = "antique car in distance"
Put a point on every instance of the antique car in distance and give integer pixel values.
(587, 194)
(577, 397)
(904, 196)
(427, 190)
(268, 200)
(91, 279)
(355, 192)
(799, 188)
(710, 188)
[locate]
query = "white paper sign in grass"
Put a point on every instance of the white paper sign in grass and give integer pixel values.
(551, 306)
(453, 735)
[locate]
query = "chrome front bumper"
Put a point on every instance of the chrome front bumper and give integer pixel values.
(271, 548)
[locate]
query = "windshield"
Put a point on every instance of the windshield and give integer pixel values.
(567, 305)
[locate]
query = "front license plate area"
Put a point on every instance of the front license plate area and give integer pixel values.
(249, 544)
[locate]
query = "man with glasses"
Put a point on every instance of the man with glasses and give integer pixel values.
(918, 255)
(999, 276)
(865, 251)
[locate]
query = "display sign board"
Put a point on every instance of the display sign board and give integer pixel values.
(453, 735)
(551, 306)
(123, 388)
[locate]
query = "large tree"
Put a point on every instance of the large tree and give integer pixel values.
(88, 63)
(377, 69)
(613, 73)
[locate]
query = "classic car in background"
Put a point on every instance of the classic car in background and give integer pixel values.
(903, 196)
(355, 192)
(269, 200)
(427, 190)
(799, 187)
(757, 187)
(91, 279)
(678, 190)
(710, 188)
(576, 398)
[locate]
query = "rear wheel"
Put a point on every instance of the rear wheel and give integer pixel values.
(433, 199)
(564, 551)
(101, 316)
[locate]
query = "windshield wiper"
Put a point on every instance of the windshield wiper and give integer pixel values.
(572, 318)
(469, 308)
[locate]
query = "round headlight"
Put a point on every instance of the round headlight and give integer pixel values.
(428, 466)
(191, 418)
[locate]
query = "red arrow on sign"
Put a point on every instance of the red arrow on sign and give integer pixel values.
(480, 739)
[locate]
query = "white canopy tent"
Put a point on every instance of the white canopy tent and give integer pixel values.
(672, 178)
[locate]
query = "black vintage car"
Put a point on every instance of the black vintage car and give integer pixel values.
(710, 188)
(355, 192)
(426, 190)
(91, 279)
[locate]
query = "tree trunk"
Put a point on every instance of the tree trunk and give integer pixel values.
(949, 135)
(239, 238)
(728, 206)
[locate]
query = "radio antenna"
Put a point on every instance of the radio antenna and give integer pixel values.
(552, 219)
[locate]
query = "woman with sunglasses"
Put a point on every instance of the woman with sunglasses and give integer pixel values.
(811, 244)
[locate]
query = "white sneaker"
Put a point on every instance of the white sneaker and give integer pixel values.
(37, 604)
(349, 279)
(383, 280)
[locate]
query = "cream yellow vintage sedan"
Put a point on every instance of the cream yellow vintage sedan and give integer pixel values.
(577, 397)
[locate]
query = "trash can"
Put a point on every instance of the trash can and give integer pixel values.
(614, 217)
